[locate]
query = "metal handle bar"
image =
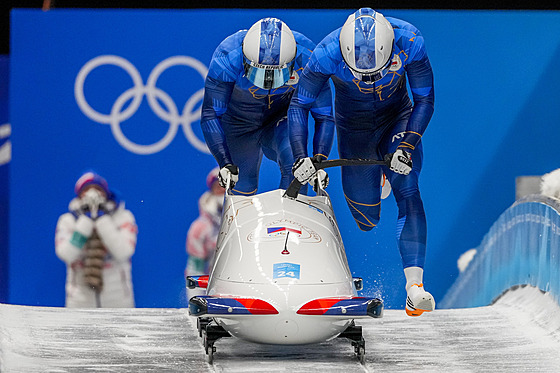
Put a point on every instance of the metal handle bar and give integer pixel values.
(295, 185)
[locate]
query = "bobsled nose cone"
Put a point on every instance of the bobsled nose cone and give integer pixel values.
(287, 329)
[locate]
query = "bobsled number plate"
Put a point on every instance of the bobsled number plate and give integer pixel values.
(282, 270)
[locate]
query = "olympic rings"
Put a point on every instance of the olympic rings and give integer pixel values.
(154, 96)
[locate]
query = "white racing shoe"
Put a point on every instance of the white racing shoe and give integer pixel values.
(418, 300)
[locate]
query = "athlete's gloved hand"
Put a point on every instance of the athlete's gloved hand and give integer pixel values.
(401, 162)
(228, 171)
(304, 170)
(321, 178)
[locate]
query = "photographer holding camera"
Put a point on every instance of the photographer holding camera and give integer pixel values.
(96, 239)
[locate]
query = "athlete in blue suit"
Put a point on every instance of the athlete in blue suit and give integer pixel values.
(252, 77)
(369, 60)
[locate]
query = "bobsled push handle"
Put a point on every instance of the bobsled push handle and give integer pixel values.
(295, 185)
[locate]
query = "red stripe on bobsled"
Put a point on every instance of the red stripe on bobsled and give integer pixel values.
(194, 282)
(319, 306)
(203, 281)
(257, 306)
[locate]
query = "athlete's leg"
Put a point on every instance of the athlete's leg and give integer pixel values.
(361, 184)
(276, 146)
(247, 155)
(411, 223)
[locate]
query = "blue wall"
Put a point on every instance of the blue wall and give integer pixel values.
(5, 155)
(521, 248)
(503, 114)
(495, 119)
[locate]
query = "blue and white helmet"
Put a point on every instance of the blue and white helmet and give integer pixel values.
(366, 43)
(269, 51)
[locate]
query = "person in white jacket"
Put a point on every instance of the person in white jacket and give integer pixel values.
(96, 239)
(203, 232)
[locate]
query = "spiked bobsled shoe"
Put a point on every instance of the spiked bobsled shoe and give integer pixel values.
(418, 301)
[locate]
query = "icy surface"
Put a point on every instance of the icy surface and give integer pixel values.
(520, 333)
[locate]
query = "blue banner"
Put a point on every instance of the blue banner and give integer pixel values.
(5, 157)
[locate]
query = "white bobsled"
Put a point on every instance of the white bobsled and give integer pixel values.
(280, 275)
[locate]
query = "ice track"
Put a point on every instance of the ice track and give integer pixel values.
(521, 333)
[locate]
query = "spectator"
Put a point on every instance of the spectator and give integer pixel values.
(96, 239)
(203, 232)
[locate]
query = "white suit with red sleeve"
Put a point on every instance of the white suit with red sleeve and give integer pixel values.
(117, 233)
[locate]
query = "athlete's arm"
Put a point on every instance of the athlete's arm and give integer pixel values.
(311, 85)
(220, 81)
(313, 94)
(217, 94)
(421, 81)
(322, 113)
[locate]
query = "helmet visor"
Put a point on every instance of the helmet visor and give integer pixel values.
(267, 77)
(371, 77)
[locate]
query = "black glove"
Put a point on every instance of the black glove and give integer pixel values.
(231, 172)
(401, 162)
(321, 177)
(304, 170)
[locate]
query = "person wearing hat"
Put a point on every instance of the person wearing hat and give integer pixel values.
(96, 239)
(203, 232)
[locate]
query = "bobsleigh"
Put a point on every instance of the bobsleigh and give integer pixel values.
(280, 275)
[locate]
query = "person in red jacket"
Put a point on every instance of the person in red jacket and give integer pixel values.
(203, 232)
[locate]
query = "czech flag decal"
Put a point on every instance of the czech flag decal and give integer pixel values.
(275, 231)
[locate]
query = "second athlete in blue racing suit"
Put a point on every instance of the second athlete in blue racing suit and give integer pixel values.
(374, 117)
(244, 113)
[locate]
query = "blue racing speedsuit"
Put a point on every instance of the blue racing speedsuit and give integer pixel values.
(371, 121)
(240, 121)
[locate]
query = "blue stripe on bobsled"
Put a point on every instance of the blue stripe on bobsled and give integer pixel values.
(357, 306)
(202, 305)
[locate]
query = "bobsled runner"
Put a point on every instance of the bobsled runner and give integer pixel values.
(280, 273)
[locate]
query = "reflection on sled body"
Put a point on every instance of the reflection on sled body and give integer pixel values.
(280, 273)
